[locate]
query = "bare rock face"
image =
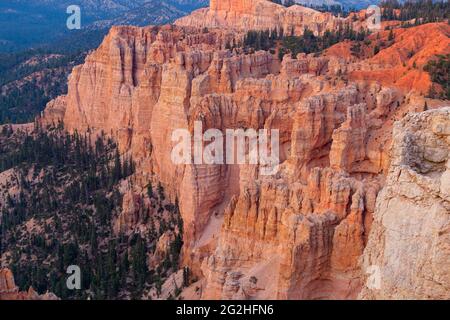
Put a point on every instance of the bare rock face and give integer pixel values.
(296, 234)
(408, 247)
(299, 242)
(54, 111)
(9, 290)
(300, 233)
(243, 15)
(162, 249)
(348, 145)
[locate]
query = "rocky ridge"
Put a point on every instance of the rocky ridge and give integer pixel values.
(247, 15)
(412, 214)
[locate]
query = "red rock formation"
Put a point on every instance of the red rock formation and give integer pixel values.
(9, 290)
(402, 63)
(54, 111)
(243, 15)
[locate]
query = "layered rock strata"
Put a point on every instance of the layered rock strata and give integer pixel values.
(296, 234)
(243, 15)
(408, 249)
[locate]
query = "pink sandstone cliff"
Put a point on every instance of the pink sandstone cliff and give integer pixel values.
(410, 237)
(243, 15)
(299, 234)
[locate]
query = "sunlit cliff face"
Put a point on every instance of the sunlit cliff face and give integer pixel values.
(310, 230)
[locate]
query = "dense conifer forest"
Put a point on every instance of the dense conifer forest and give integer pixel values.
(59, 204)
(424, 11)
(306, 43)
(439, 70)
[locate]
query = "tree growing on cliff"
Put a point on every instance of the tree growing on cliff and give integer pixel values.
(439, 70)
(161, 194)
(150, 190)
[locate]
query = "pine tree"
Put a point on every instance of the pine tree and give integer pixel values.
(161, 194)
(150, 190)
(391, 35)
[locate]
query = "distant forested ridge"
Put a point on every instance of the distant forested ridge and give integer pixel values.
(424, 11)
(38, 52)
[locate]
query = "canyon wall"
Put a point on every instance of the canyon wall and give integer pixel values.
(409, 245)
(296, 234)
(243, 15)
